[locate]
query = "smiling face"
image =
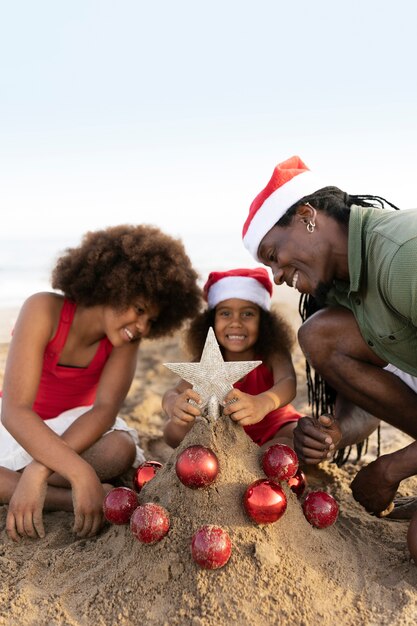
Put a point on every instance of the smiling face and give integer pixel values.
(303, 260)
(131, 324)
(236, 325)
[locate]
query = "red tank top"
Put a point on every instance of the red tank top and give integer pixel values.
(258, 380)
(62, 388)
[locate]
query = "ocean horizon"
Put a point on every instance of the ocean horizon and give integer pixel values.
(26, 264)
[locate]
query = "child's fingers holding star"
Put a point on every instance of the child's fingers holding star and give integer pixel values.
(185, 409)
(244, 408)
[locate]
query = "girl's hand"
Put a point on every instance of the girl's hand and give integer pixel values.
(87, 497)
(245, 408)
(184, 412)
(24, 516)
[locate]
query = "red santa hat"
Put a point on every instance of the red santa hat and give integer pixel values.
(291, 180)
(253, 285)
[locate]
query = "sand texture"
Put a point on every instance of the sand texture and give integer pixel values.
(357, 572)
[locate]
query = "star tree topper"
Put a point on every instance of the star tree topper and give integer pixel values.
(212, 378)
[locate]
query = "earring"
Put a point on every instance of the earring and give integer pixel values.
(311, 226)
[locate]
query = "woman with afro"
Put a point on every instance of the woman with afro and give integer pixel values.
(71, 362)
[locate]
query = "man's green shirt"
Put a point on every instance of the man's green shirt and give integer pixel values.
(382, 293)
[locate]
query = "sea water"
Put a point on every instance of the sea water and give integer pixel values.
(26, 264)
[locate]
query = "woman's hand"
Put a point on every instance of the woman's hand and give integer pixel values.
(24, 516)
(247, 409)
(87, 497)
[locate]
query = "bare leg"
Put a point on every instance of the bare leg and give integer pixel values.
(335, 348)
(110, 456)
(57, 498)
(333, 345)
(283, 436)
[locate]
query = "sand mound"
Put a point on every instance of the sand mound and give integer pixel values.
(283, 573)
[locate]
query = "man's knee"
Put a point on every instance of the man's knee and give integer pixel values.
(318, 334)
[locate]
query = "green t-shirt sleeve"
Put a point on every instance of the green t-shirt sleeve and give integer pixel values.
(401, 281)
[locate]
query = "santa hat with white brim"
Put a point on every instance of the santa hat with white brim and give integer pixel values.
(291, 180)
(253, 285)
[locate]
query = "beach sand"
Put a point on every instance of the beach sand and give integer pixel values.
(357, 572)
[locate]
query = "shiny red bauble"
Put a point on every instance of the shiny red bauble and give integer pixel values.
(145, 473)
(264, 501)
(298, 483)
(197, 466)
(211, 547)
(119, 504)
(320, 509)
(280, 462)
(149, 522)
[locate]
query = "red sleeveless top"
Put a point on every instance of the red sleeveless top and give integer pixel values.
(62, 387)
(258, 380)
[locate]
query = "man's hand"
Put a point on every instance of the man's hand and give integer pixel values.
(316, 439)
(372, 489)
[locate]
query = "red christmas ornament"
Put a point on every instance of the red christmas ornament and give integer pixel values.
(197, 466)
(280, 462)
(119, 504)
(145, 473)
(298, 483)
(149, 522)
(320, 509)
(264, 501)
(211, 547)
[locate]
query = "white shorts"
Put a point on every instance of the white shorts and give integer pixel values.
(14, 457)
(408, 379)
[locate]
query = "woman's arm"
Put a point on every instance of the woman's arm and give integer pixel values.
(23, 371)
(34, 328)
(115, 382)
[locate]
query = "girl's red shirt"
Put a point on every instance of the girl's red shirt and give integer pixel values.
(62, 387)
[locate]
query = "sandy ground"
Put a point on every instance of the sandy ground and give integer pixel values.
(357, 572)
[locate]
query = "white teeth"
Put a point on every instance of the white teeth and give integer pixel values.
(236, 336)
(294, 280)
(129, 334)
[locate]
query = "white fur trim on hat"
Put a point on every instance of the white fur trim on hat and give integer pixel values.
(276, 205)
(242, 287)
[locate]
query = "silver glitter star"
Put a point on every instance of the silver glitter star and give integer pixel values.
(212, 378)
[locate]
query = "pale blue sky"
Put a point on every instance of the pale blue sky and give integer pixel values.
(175, 113)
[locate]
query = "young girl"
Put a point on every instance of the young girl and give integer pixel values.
(71, 361)
(246, 330)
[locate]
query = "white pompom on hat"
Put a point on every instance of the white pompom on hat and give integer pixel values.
(253, 285)
(291, 180)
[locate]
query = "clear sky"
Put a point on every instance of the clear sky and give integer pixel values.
(175, 112)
